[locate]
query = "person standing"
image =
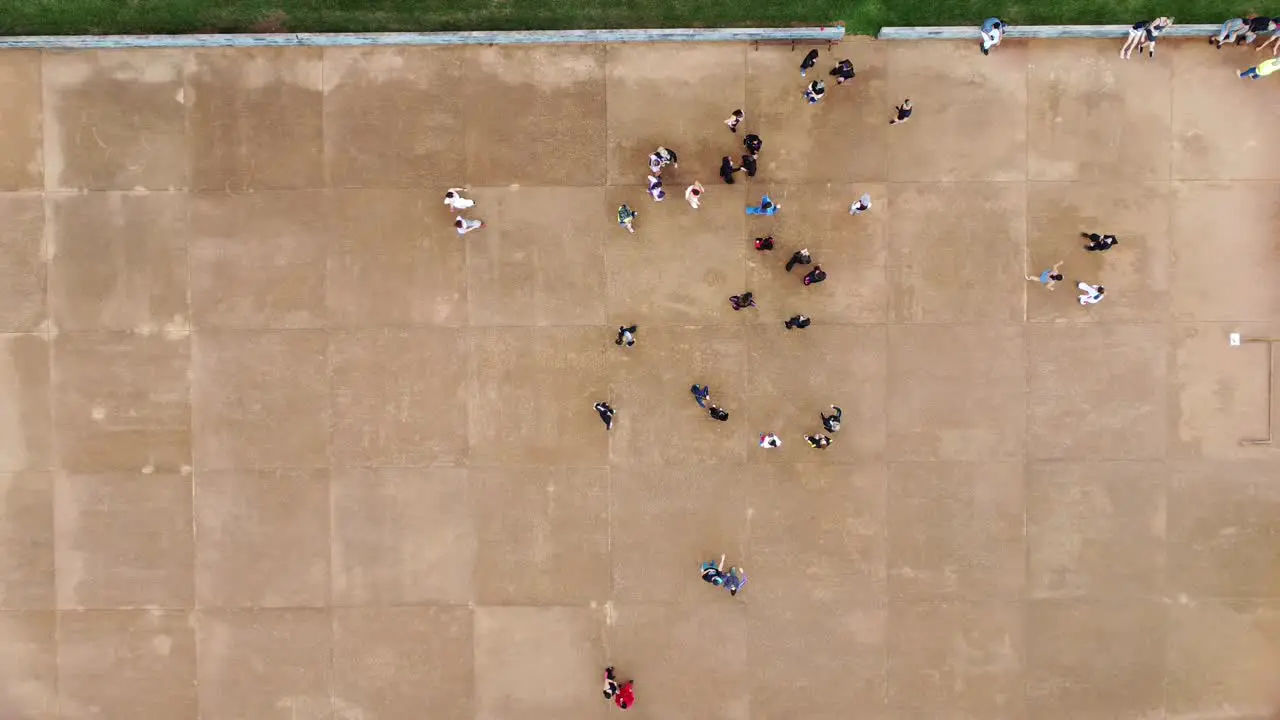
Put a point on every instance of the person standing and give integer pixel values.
(832, 422)
(606, 414)
(843, 72)
(903, 112)
(810, 59)
(818, 442)
(770, 441)
(453, 198)
(693, 194)
(992, 34)
(735, 119)
(748, 165)
(717, 413)
(1049, 277)
(753, 144)
(701, 393)
(626, 335)
(727, 170)
(1099, 243)
(745, 300)
(797, 322)
(764, 244)
(815, 276)
(862, 205)
(1090, 294)
(799, 257)
(464, 226)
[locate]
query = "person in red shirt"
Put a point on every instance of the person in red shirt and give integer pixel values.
(622, 694)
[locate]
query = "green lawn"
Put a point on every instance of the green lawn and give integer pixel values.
(61, 17)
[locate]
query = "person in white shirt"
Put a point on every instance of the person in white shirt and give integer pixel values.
(1090, 294)
(464, 226)
(693, 194)
(863, 205)
(453, 198)
(769, 440)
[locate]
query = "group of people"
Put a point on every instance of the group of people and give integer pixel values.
(1089, 294)
(456, 202)
(1244, 31)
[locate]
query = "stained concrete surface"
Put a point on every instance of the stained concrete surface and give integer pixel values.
(275, 442)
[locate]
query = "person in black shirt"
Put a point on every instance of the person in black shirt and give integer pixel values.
(904, 112)
(797, 322)
(843, 72)
(799, 257)
(809, 61)
(1099, 243)
(727, 170)
(752, 143)
(815, 276)
(749, 165)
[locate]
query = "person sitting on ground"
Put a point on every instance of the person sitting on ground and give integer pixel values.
(843, 72)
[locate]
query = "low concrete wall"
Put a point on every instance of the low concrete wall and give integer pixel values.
(833, 33)
(972, 32)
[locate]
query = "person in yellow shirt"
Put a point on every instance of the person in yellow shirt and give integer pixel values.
(1262, 69)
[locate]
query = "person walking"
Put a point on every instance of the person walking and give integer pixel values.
(701, 393)
(799, 257)
(453, 198)
(1090, 294)
(622, 694)
(753, 143)
(464, 226)
(626, 336)
(810, 59)
(693, 194)
(748, 165)
(1049, 277)
(655, 189)
(735, 119)
(1099, 243)
(717, 413)
(992, 34)
(732, 581)
(745, 300)
(818, 442)
(832, 422)
(815, 92)
(606, 414)
(862, 205)
(627, 216)
(815, 276)
(727, 170)
(770, 441)
(764, 244)
(903, 112)
(843, 72)
(797, 322)
(1261, 70)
